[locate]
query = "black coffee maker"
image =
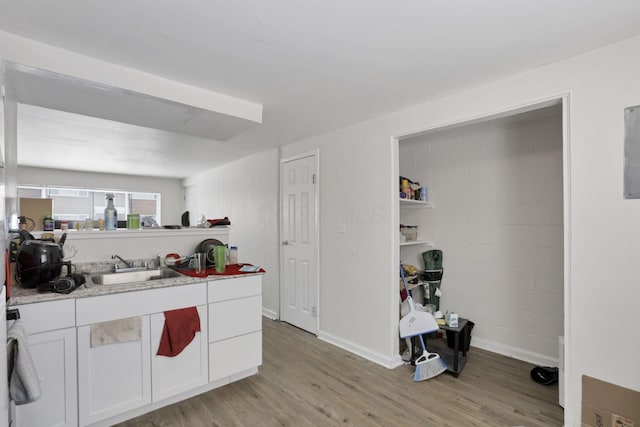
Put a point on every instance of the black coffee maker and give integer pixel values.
(40, 261)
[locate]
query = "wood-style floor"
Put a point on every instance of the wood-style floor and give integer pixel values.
(306, 382)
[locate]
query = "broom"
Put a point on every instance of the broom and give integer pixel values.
(428, 365)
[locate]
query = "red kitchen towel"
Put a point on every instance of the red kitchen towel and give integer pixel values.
(180, 327)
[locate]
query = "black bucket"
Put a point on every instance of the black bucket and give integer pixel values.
(465, 337)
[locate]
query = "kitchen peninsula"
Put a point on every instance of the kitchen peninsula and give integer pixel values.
(87, 384)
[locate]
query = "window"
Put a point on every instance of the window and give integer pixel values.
(79, 204)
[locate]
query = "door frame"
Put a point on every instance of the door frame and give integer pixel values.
(562, 98)
(316, 228)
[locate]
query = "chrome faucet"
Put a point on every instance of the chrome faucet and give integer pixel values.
(116, 257)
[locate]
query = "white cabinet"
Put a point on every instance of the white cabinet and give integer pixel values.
(189, 369)
(53, 355)
(83, 385)
(121, 377)
(53, 352)
(113, 378)
(235, 326)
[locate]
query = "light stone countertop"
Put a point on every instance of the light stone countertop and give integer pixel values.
(20, 295)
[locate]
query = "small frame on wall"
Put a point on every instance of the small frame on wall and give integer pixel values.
(632, 152)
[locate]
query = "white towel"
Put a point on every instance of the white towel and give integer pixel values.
(24, 384)
(116, 331)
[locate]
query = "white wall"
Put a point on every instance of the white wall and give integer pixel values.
(603, 261)
(172, 193)
(99, 246)
(497, 192)
(355, 185)
(246, 191)
(4, 398)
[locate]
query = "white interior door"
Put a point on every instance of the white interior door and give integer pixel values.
(299, 290)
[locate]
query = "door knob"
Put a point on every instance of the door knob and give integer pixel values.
(286, 242)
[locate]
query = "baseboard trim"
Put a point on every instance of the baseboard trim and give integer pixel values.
(269, 314)
(387, 362)
(517, 353)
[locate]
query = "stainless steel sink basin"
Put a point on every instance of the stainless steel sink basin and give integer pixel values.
(131, 276)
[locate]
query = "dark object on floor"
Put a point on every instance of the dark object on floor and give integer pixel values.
(544, 375)
(465, 337)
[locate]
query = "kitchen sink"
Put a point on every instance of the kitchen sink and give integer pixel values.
(131, 276)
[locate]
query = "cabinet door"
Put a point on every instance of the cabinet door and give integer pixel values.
(187, 370)
(54, 357)
(113, 378)
(4, 385)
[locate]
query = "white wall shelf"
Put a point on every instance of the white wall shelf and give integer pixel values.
(418, 242)
(415, 203)
(123, 233)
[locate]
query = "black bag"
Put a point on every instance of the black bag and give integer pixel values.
(432, 265)
(545, 375)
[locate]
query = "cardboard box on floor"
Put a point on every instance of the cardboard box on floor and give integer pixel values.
(608, 405)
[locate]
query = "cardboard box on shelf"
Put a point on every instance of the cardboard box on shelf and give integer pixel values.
(608, 405)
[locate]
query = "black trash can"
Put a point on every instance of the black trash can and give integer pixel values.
(465, 337)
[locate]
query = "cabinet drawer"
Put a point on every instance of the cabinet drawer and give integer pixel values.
(234, 355)
(129, 304)
(235, 317)
(48, 316)
(239, 287)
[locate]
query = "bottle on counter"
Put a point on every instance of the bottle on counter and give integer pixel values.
(48, 223)
(110, 214)
(233, 255)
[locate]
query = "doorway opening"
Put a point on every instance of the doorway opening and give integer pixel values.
(499, 192)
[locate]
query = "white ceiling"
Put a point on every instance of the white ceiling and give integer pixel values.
(320, 65)
(61, 140)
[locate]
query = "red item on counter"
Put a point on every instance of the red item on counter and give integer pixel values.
(180, 327)
(219, 221)
(230, 270)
